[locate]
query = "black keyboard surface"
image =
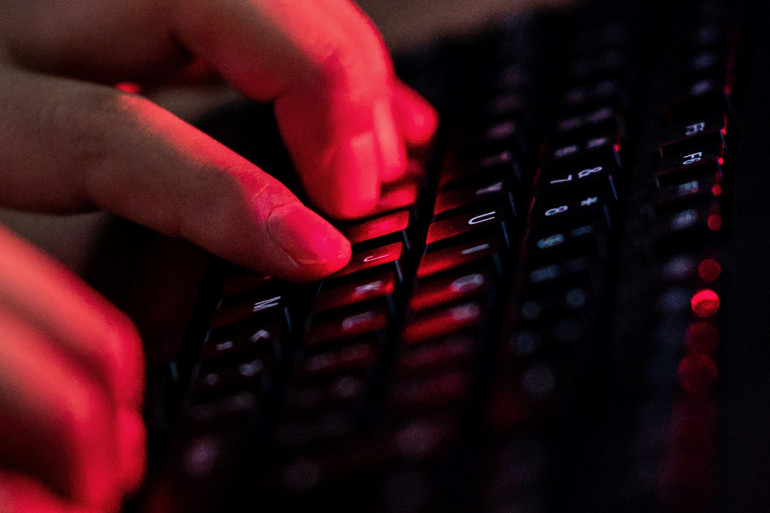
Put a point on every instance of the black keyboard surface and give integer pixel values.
(532, 320)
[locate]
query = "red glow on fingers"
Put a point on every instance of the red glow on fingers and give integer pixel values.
(705, 303)
(398, 196)
(131, 449)
(418, 120)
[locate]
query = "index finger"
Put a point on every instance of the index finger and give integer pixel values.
(330, 77)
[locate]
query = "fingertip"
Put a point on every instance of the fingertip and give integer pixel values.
(131, 448)
(417, 118)
(313, 247)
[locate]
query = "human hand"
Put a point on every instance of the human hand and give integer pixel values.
(71, 144)
(71, 383)
(70, 364)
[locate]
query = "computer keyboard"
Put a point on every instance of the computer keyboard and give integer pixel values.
(531, 320)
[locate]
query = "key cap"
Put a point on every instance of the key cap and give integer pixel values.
(387, 257)
(700, 150)
(697, 169)
(430, 392)
(339, 293)
(369, 320)
(485, 249)
(443, 322)
(547, 244)
(602, 147)
(381, 230)
(563, 181)
(451, 287)
(499, 164)
(491, 219)
(602, 119)
(249, 375)
(593, 205)
(263, 337)
(469, 194)
(681, 136)
(324, 362)
(453, 351)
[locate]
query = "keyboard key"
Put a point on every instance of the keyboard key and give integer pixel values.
(443, 322)
(697, 169)
(472, 194)
(380, 230)
(488, 249)
(472, 224)
(260, 304)
(585, 206)
(370, 320)
(687, 133)
(452, 286)
(564, 181)
(387, 256)
(335, 295)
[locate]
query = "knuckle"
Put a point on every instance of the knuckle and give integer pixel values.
(354, 69)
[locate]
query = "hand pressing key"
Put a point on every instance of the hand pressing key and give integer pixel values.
(70, 363)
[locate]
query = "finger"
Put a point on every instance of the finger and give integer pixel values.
(21, 494)
(417, 119)
(331, 80)
(77, 145)
(57, 423)
(46, 295)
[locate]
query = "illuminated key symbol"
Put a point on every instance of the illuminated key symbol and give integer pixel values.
(600, 115)
(224, 346)
(250, 369)
(589, 201)
(483, 218)
(496, 159)
(562, 180)
(497, 187)
(689, 187)
(589, 172)
(467, 283)
(267, 303)
(694, 128)
(549, 242)
(374, 258)
(355, 320)
(692, 158)
(369, 287)
(474, 249)
(466, 312)
(578, 232)
(260, 335)
(565, 151)
(595, 143)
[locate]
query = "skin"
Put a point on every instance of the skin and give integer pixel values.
(71, 364)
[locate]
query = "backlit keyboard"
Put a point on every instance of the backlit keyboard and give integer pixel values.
(530, 321)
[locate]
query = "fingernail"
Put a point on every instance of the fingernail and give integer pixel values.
(391, 145)
(307, 238)
(131, 448)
